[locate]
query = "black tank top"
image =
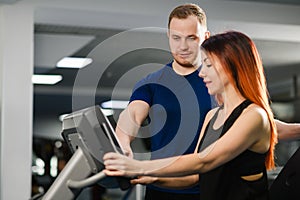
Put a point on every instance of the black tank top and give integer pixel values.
(225, 182)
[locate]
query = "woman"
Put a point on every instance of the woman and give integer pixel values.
(236, 144)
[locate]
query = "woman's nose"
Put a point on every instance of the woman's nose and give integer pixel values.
(201, 72)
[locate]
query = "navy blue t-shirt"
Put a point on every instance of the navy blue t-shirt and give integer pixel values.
(178, 108)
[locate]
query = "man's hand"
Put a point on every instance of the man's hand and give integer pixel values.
(144, 180)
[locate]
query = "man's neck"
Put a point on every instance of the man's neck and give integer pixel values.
(183, 70)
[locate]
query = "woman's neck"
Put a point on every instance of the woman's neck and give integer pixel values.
(231, 100)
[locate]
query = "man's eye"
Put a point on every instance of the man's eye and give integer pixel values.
(192, 38)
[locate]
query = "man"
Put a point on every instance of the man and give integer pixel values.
(287, 131)
(176, 98)
(176, 101)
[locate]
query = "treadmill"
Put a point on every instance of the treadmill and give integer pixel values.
(89, 136)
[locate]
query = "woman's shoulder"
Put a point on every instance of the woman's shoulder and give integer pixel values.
(259, 127)
(256, 114)
(256, 110)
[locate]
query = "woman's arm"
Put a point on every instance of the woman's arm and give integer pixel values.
(241, 136)
(120, 165)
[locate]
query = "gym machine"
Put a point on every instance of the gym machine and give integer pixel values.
(89, 136)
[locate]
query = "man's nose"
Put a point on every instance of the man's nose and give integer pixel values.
(183, 44)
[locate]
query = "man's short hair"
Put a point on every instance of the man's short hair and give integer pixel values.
(186, 10)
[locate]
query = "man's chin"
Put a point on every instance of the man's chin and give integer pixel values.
(185, 64)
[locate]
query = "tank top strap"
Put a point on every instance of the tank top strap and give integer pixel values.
(214, 118)
(234, 115)
(210, 135)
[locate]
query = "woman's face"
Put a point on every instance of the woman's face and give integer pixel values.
(213, 75)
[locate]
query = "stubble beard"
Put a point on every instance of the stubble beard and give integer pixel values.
(186, 64)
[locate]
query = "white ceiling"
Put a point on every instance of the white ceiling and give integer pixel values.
(266, 22)
(275, 27)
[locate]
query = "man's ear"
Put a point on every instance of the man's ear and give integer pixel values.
(207, 34)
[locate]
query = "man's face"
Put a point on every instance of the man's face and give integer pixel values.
(185, 38)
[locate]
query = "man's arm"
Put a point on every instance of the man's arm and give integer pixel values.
(129, 123)
(287, 131)
(171, 183)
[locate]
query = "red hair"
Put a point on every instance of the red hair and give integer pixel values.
(240, 59)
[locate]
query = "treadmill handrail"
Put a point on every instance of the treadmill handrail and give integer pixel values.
(86, 182)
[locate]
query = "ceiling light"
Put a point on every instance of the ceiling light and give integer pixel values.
(73, 62)
(115, 104)
(46, 79)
